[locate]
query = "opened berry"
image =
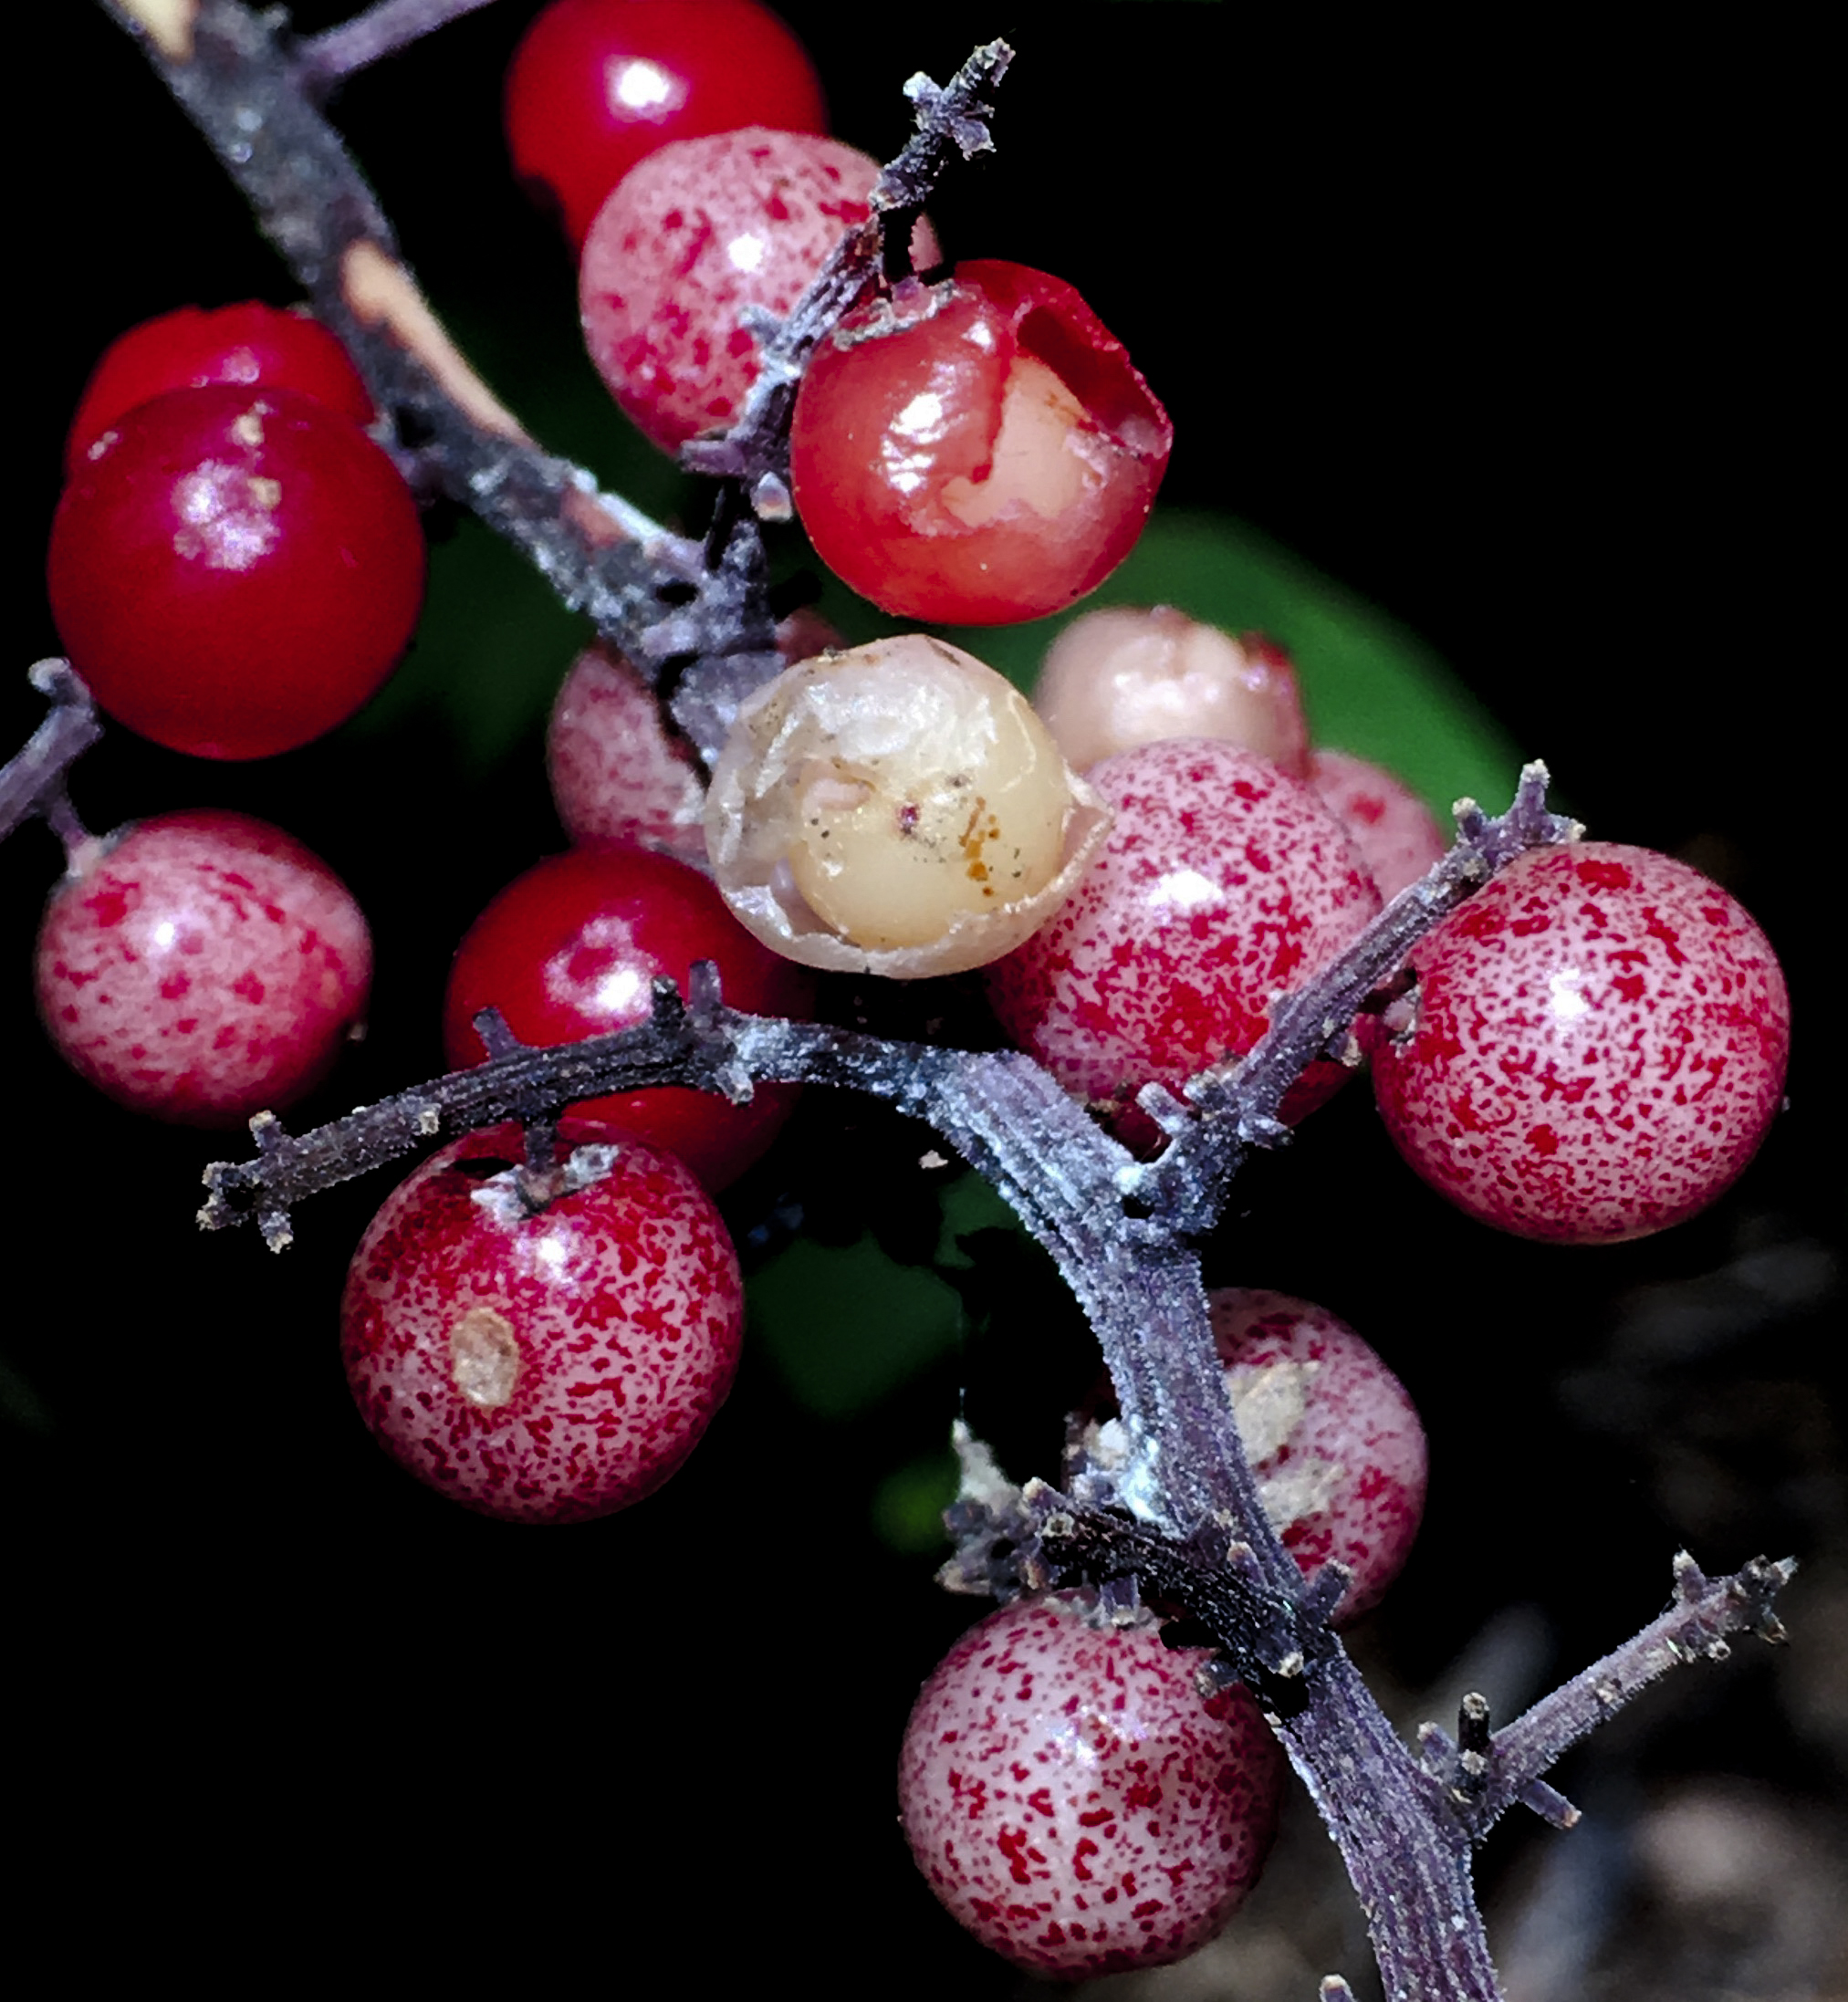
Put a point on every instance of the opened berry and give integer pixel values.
(545, 1348)
(202, 967)
(975, 452)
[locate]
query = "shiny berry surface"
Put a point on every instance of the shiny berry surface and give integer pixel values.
(700, 232)
(1597, 1047)
(251, 344)
(570, 949)
(976, 452)
(1221, 884)
(1332, 1436)
(597, 85)
(235, 571)
(1128, 674)
(204, 968)
(1075, 1801)
(548, 1363)
(1398, 838)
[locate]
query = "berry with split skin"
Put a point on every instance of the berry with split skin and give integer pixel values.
(251, 345)
(235, 571)
(543, 1348)
(1221, 885)
(975, 452)
(596, 86)
(202, 967)
(896, 809)
(1596, 1047)
(571, 949)
(700, 236)
(1127, 675)
(1074, 1799)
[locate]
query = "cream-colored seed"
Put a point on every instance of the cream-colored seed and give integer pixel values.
(1043, 459)
(1125, 676)
(897, 799)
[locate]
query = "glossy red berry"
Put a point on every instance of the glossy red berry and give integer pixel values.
(1221, 885)
(235, 571)
(252, 345)
(597, 85)
(571, 949)
(204, 967)
(698, 234)
(544, 1351)
(1597, 1047)
(1073, 1797)
(1331, 1434)
(1398, 839)
(976, 452)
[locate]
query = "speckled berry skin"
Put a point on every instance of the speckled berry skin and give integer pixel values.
(570, 949)
(1331, 1435)
(550, 1366)
(1597, 1050)
(205, 967)
(617, 775)
(1222, 885)
(1388, 823)
(698, 232)
(1075, 1801)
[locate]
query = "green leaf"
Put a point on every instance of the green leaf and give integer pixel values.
(908, 1504)
(847, 1325)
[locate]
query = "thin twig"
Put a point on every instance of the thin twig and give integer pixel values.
(321, 60)
(33, 780)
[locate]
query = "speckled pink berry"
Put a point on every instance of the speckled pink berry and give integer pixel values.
(549, 1363)
(1331, 1434)
(1073, 1797)
(1597, 1050)
(1393, 828)
(617, 775)
(693, 237)
(205, 967)
(1221, 885)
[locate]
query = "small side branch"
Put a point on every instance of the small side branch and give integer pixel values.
(1487, 1775)
(368, 37)
(33, 782)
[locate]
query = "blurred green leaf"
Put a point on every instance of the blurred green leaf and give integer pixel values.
(20, 1404)
(847, 1325)
(908, 1504)
(970, 1205)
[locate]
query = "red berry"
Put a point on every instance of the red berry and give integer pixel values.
(1331, 1434)
(1221, 885)
(1598, 1046)
(617, 775)
(571, 948)
(1073, 1798)
(252, 345)
(205, 967)
(597, 85)
(235, 571)
(1385, 819)
(699, 232)
(976, 452)
(550, 1353)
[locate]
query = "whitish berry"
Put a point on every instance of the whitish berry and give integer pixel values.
(1129, 676)
(1073, 1798)
(897, 807)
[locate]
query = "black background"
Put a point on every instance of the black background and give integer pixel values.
(1511, 327)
